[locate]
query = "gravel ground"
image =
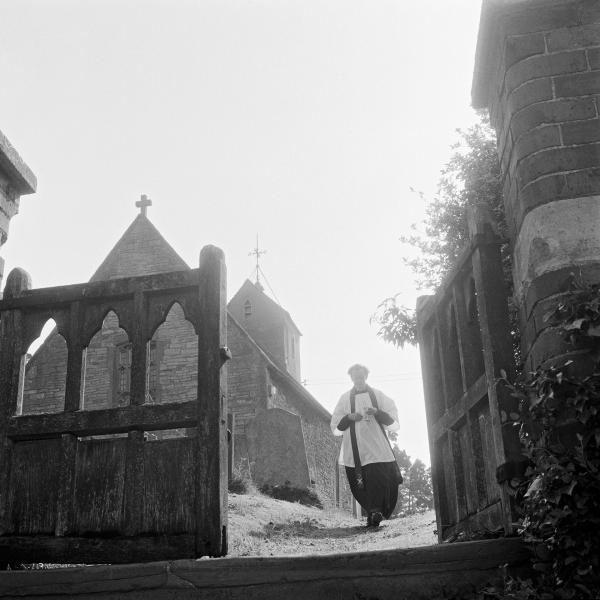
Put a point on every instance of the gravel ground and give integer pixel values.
(261, 526)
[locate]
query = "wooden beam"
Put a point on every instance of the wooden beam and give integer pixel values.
(457, 412)
(211, 455)
(98, 422)
(18, 282)
(101, 290)
(138, 352)
(94, 550)
(75, 349)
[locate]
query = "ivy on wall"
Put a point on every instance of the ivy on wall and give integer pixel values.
(559, 496)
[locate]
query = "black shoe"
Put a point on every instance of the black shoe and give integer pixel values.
(376, 518)
(369, 520)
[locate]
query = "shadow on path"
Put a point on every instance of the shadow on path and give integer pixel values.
(311, 529)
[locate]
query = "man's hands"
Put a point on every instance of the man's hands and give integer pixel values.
(358, 417)
(355, 416)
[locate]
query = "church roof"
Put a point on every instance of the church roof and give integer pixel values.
(142, 250)
(254, 290)
(284, 376)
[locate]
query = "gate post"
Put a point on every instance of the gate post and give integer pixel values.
(11, 356)
(497, 348)
(211, 449)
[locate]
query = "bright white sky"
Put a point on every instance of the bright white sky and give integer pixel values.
(305, 121)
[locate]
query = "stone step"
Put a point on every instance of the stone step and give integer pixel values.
(431, 572)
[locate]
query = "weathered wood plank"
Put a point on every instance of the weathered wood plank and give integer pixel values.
(94, 550)
(447, 570)
(134, 483)
(32, 486)
(111, 420)
(11, 361)
(99, 486)
(101, 290)
(66, 485)
(138, 353)
(211, 449)
(169, 491)
(73, 384)
(231, 444)
(454, 414)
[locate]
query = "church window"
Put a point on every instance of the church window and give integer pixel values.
(247, 308)
(123, 370)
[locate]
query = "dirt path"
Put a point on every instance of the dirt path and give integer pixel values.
(261, 526)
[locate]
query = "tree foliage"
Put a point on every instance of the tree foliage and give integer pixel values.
(471, 176)
(416, 493)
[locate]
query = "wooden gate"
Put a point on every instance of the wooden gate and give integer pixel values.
(83, 486)
(464, 341)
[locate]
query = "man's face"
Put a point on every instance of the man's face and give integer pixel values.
(359, 379)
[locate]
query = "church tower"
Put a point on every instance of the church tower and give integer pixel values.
(269, 324)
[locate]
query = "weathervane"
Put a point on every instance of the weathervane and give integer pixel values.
(143, 203)
(258, 253)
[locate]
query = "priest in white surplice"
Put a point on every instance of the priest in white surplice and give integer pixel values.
(362, 416)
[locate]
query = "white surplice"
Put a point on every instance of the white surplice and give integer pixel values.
(371, 442)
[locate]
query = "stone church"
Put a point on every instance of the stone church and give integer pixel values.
(280, 431)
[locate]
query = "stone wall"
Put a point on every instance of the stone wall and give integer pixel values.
(45, 377)
(16, 179)
(100, 386)
(538, 72)
(322, 447)
(176, 357)
(269, 325)
(246, 388)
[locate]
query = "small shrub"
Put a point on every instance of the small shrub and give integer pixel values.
(241, 480)
(291, 494)
(237, 485)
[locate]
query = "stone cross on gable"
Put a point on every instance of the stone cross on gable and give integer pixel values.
(143, 203)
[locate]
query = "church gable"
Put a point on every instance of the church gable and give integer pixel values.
(269, 325)
(142, 250)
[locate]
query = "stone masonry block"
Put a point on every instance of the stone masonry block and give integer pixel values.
(523, 46)
(531, 92)
(569, 38)
(542, 191)
(557, 160)
(583, 183)
(555, 111)
(543, 19)
(545, 66)
(581, 84)
(594, 58)
(547, 136)
(581, 132)
(578, 184)
(589, 11)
